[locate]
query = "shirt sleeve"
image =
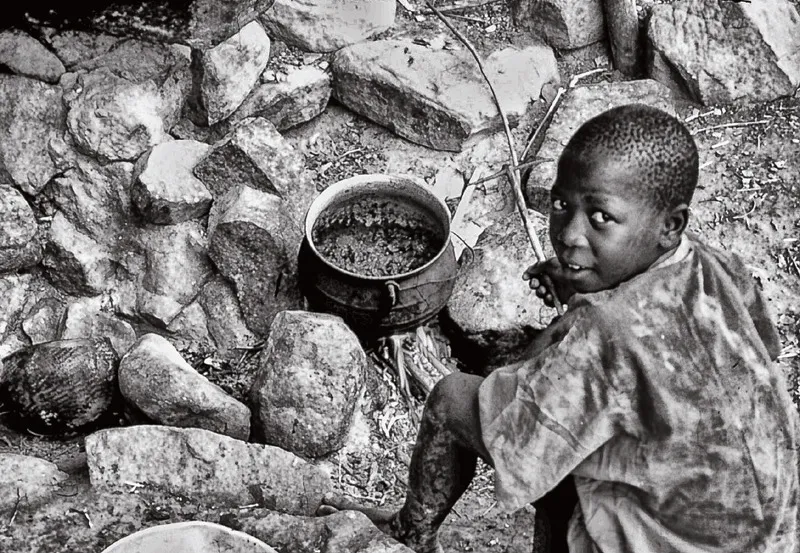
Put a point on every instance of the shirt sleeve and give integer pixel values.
(542, 418)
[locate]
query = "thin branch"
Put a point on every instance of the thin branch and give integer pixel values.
(732, 125)
(454, 8)
(544, 121)
(513, 174)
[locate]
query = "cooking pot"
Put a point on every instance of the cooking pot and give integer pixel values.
(189, 537)
(375, 306)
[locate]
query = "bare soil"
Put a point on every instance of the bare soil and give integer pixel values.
(747, 202)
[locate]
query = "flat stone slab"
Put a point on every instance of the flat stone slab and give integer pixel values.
(205, 466)
(438, 98)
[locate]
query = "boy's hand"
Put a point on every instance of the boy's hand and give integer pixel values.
(546, 277)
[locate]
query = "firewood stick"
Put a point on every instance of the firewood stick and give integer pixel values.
(424, 380)
(513, 171)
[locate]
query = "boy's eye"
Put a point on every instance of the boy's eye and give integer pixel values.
(558, 205)
(600, 217)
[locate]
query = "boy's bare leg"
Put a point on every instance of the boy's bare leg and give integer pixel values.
(442, 465)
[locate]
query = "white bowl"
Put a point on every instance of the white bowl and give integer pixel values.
(189, 537)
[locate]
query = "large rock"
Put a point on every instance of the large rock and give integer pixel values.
(31, 114)
(227, 73)
(74, 46)
(124, 102)
(492, 311)
(75, 262)
(310, 375)
(438, 98)
(303, 95)
(563, 24)
(60, 386)
(165, 191)
(94, 197)
(328, 25)
(24, 55)
(205, 466)
(154, 378)
(254, 243)
(580, 105)
(723, 51)
(26, 481)
(93, 318)
(195, 23)
(254, 154)
(224, 318)
(19, 233)
(177, 267)
(342, 532)
(189, 330)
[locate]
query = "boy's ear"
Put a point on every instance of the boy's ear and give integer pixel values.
(675, 221)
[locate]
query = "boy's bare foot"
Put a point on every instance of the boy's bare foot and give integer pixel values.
(387, 522)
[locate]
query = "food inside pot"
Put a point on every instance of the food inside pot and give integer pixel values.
(377, 237)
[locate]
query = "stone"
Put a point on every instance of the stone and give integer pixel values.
(24, 55)
(176, 268)
(15, 290)
(60, 386)
(342, 532)
(26, 481)
(20, 246)
(76, 263)
(124, 102)
(254, 154)
(622, 23)
(224, 316)
(74, 46)
(328, 25)
(189, 330)
(42, 323)
(93, 318)
(206, 467)
(287, 103)
(165, 191)
(438, 98)
(309, 377)
(493, 312)
(195, 23)
(31, 114)
(94, 197)
(580, 105)
(156, 380)
(227, 74)
(254, 242)
(563, 24)
(721, 52)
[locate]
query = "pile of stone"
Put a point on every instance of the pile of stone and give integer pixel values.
(150, 201)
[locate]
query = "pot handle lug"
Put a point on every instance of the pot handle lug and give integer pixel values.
(392, 288)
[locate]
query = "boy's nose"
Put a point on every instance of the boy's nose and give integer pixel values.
(573, 233)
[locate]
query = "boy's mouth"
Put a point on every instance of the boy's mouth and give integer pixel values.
(573, 267)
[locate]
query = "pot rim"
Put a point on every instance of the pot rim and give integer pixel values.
(327, 196)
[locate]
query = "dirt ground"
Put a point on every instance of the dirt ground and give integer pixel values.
(747, 202)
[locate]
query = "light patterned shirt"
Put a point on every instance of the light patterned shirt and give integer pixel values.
(661, 398)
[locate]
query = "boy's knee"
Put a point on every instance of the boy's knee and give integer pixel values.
(451, 394)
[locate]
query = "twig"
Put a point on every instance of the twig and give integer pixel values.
(513, 175)
(454, 8)
(502, 171)
(16, 509)
(407, 5)
(544, 121)
(732, 125)
(468, 18)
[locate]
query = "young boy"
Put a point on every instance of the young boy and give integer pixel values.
(654, 397)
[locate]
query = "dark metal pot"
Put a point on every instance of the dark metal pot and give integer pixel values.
(378, 306)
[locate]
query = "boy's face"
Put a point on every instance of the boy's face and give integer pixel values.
(602, 232)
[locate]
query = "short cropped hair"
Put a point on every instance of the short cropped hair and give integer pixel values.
(655, 144)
